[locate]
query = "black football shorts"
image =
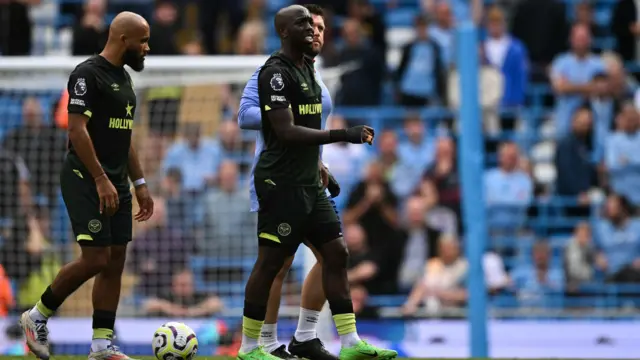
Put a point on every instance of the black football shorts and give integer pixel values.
(290, 214)
(89, 226)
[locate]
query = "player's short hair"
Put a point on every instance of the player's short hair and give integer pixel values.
(315, 9)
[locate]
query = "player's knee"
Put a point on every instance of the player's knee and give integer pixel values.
(285, 268)
(117, 258)
(335, 254)
(269, 266)
(96, 259)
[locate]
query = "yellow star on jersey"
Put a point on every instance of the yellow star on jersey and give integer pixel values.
(129, 108)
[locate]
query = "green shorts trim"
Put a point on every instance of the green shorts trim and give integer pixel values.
(290, 214)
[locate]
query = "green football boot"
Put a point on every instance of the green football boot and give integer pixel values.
(365, 351)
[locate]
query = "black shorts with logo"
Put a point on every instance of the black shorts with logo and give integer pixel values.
(290, 214)
(89, 226)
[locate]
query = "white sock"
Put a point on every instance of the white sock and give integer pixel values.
(248, 344)
(269, 337)
(307, 322)
(349, 340)
(36, 315)
(99, 344)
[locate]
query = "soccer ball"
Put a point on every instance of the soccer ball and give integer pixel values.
(175, 341)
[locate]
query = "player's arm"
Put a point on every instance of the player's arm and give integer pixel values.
(249, 116)
(145, 202)
(82, 93)
(274, 86)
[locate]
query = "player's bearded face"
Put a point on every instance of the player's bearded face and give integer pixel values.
(318, 35)
(134, 58)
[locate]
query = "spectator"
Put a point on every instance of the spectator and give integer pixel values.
(363, 261)
(372, 25)
(543, 43)
(7, 301)
(462, 9)
(41, 260)
(361, 81)
(621, 155)
(158, 250)
(576, 173)
(42, 147)
(251, 37)
(373, 205)
(536, 283)
(164, 28)
(508, 190)
(192, 48)
(415, 154)
(442, 31)
(603, 106)
(342, 159)
(359, 297)
(625, 26)
(584, 16)
(229, 229)
(444, 174)
(618, 241)
(16, 28)
(196, 157)
(229, 140)
(491, 83)
(181, 300)
(402, 175)
(572, 77)
(211, 14)
(182, 207)
(418, 242)
(510, 56)
(443, 282)
(15, 192)
(579, 257)
(437, 216)
(420, 76)
(90, 34)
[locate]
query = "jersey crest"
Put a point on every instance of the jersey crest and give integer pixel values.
(80, 88)
(276, 82)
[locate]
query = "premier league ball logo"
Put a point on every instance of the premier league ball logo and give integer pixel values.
(277, 84)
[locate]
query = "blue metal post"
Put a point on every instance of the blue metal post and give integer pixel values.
(471, 152)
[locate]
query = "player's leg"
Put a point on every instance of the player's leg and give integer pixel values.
(108, 283)
(325, 233)
(92, 232)
(305, 342)
(312, 302)
(280, 221)
(269, 263)
(269, 333)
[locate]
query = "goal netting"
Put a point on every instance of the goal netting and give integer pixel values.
(201, 241)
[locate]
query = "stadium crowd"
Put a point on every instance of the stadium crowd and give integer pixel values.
(561, 134)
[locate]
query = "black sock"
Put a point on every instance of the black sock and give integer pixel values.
(50, 301)
(343, 306)
(103, 324)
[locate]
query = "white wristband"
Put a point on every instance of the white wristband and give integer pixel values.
(139, 182)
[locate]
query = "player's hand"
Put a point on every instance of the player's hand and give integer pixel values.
(109, 200)
(360, 134)
(145, 202)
